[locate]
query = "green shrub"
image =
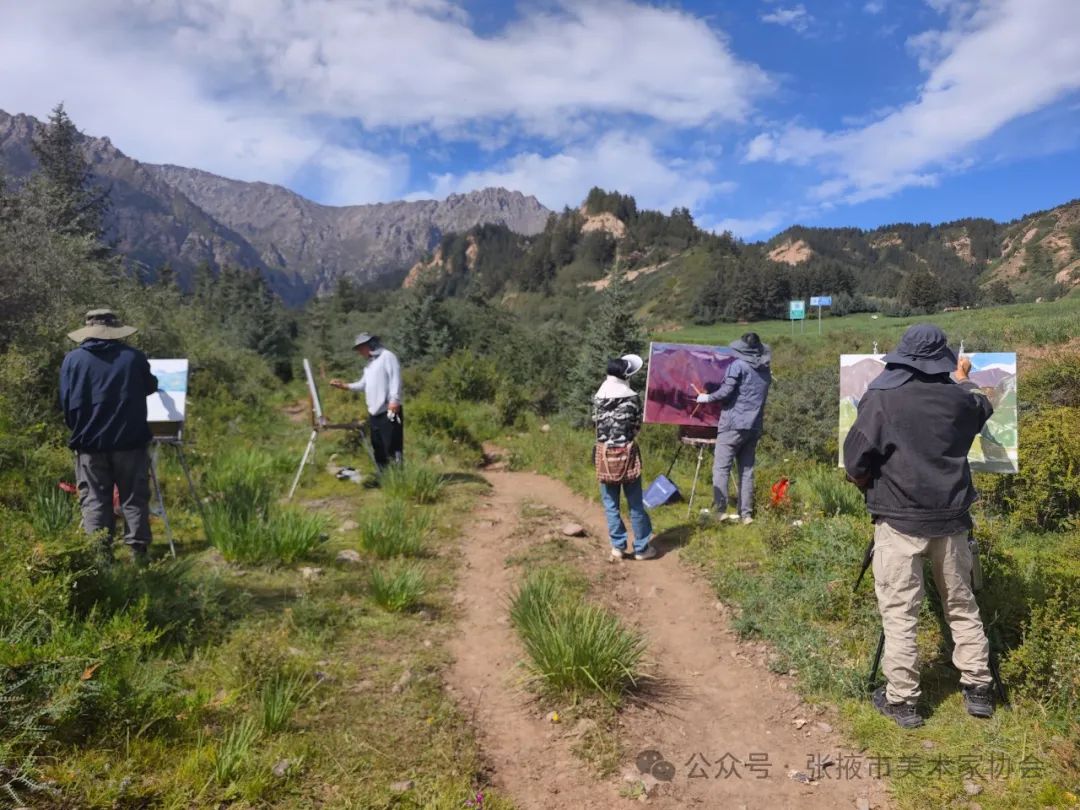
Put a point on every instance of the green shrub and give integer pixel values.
(825, 490)
(510, 404)
(1045, 494)
(464, 376)
(277, 535)
(575, 648)
(394, 530)
(413, 482)
(1054, 382)
(445, 418)
(802, 414)
(397, 587)
(1046, 667)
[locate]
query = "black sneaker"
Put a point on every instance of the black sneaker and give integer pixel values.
(979, 701)
(904, 714)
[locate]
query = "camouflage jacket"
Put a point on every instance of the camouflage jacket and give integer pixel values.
(618, 419)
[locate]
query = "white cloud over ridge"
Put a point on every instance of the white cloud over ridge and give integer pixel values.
(566, 177)
(997, 61)
(276, 90)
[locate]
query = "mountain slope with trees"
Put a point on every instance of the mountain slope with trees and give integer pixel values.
(168, 215)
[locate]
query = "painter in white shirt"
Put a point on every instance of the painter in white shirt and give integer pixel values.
(381, 381)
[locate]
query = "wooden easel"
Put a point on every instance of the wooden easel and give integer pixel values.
(171, 434)
(699, 438)
(319, 423)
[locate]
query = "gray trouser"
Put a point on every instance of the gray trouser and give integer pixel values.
(129, 471)
(734, 446)
(898, 581)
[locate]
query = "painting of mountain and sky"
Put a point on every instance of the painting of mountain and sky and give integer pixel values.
(995, 449)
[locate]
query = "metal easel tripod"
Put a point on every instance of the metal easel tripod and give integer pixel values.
(976, 586)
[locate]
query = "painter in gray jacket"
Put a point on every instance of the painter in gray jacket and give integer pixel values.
(743, 393)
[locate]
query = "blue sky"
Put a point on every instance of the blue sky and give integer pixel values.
(755, 114)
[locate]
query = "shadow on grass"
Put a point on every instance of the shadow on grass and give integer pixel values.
(466, 478)
(673, 538)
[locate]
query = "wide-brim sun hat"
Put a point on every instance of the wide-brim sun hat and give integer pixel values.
(634, 364)
(362, 338)
(924, 348)
(102, 324)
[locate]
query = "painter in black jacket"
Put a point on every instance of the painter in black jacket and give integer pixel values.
(908, 452)
(104, 384)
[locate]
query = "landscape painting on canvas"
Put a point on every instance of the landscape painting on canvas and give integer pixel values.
(995, 450)
(169, 404)
(677, 372)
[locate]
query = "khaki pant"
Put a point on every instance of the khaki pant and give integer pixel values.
(898, 577)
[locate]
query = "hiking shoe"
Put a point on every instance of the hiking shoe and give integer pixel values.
(648, 554)
(730, 517)
(905, 715)
(620, 553)
(746, 520)
(979, 701)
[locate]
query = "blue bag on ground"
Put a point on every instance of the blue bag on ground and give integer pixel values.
(661, 491)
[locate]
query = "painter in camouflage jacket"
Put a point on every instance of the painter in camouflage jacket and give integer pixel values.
(617, 418)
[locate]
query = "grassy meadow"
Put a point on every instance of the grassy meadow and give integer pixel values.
(263, 670)
(789, 576)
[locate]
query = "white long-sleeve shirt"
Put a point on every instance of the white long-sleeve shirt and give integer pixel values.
(381, 381)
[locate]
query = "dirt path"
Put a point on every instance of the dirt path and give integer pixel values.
(721, 699)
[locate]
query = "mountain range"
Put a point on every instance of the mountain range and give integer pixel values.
(182, 217)
(163, 214)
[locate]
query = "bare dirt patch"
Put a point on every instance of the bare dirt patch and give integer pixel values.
(791, 252)
(719, 703)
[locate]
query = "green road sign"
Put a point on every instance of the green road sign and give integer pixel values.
(796, 310)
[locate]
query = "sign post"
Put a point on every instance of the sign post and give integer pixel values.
(820, 301)
(797, 312)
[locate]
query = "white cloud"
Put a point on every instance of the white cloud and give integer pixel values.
(628, 163)
(998, 61)
(280, 89)
(794, 17)
(874, 6)
(749, 227)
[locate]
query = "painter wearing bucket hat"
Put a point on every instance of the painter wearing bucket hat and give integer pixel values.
(924, 348)
(102, 324)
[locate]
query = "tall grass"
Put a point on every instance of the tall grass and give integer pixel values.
(51, 510)
(824, 489)
(413, 482)
(398, 587)
(277, 535)
(394, 530)
(575, 648)
(242, 478)
(235, 750)
(280, 697)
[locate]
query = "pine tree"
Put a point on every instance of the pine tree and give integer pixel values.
(613, 332)
(64, 184)
(423, 331)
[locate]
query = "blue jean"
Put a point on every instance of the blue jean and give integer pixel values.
(639, 518)
(735, 446)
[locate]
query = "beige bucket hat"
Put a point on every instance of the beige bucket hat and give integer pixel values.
(102, 324)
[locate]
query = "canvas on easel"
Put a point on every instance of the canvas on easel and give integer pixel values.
(166, 412)
(995, 450)
(678, 372)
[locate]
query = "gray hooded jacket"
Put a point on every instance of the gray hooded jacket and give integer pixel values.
(745, 388)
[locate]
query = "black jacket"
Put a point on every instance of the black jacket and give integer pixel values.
(910, 445)
(103, 389)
